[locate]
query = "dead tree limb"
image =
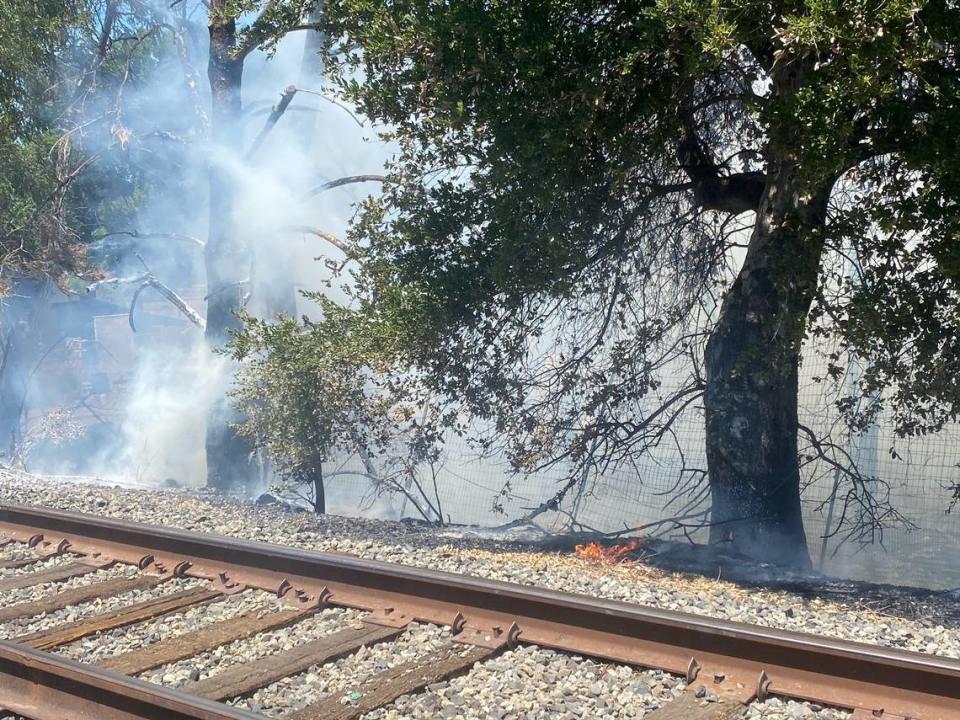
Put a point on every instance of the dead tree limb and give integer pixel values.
(348, 180)
(275, 114)
(149, 280)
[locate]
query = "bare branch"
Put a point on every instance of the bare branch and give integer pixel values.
(348, 180)
(149, 280)
(275, 114)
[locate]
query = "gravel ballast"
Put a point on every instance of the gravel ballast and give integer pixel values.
(522, 683)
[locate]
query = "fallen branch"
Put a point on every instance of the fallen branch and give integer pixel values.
(149, 280)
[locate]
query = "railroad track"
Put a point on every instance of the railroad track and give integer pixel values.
(725, 665)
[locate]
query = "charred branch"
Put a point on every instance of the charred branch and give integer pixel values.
(148, 280)
(275, 114)
(348, 180)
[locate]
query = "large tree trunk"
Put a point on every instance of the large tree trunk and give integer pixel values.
(227, 256)
(752, 361)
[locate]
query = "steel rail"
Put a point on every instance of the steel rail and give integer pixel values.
(37, 684)
(731, 659)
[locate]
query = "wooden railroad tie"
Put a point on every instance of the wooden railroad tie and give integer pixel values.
(244, 680)
(208, 638)
(146, 610)
(449, 661)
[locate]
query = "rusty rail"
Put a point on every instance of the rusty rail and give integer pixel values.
(40, 685)
(731, 659)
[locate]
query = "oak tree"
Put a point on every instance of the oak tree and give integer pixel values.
(592, 195)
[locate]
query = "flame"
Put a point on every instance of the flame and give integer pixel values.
(609, 554)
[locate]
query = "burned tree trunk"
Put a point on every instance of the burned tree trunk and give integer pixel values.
(752, 361)
(226, 254)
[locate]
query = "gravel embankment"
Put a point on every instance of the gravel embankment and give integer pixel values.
(523, 683)
(929, 624)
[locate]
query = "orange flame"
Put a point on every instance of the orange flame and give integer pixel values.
(609, 555)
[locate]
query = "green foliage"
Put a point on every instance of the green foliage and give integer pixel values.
(545, 252)
(302, 397)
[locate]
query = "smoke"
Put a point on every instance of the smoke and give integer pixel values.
(145, 394)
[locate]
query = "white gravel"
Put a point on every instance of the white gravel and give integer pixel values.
(925, 623)
(17, 551)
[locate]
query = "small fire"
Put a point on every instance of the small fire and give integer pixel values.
(609, 554)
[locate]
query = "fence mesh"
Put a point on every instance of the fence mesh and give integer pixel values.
(916, 474)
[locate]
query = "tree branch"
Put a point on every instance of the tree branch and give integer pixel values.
(734, 194)
(348, 180)
(275, 114)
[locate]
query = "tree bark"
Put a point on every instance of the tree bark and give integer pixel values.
(753, 358)
(752, 362)
(226, 254)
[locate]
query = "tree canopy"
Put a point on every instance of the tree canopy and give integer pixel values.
(591, 196)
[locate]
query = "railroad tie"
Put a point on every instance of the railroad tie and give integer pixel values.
(146, 610)
(77, 595)
(449, 661)
(54, 574)
(208, 638)
(17, 564)
(688, 707)
(243, 680)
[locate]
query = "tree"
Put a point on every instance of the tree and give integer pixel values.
(62, 70)
(227, 257)
(307, 396)
(578, 182)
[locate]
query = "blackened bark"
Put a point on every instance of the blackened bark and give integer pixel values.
(319, 491)
(752, 363)
(226, 254)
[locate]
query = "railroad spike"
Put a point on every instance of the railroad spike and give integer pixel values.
(693, 669)
(763, 686)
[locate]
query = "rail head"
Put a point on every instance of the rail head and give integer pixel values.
(42, 685)
(757, 660)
